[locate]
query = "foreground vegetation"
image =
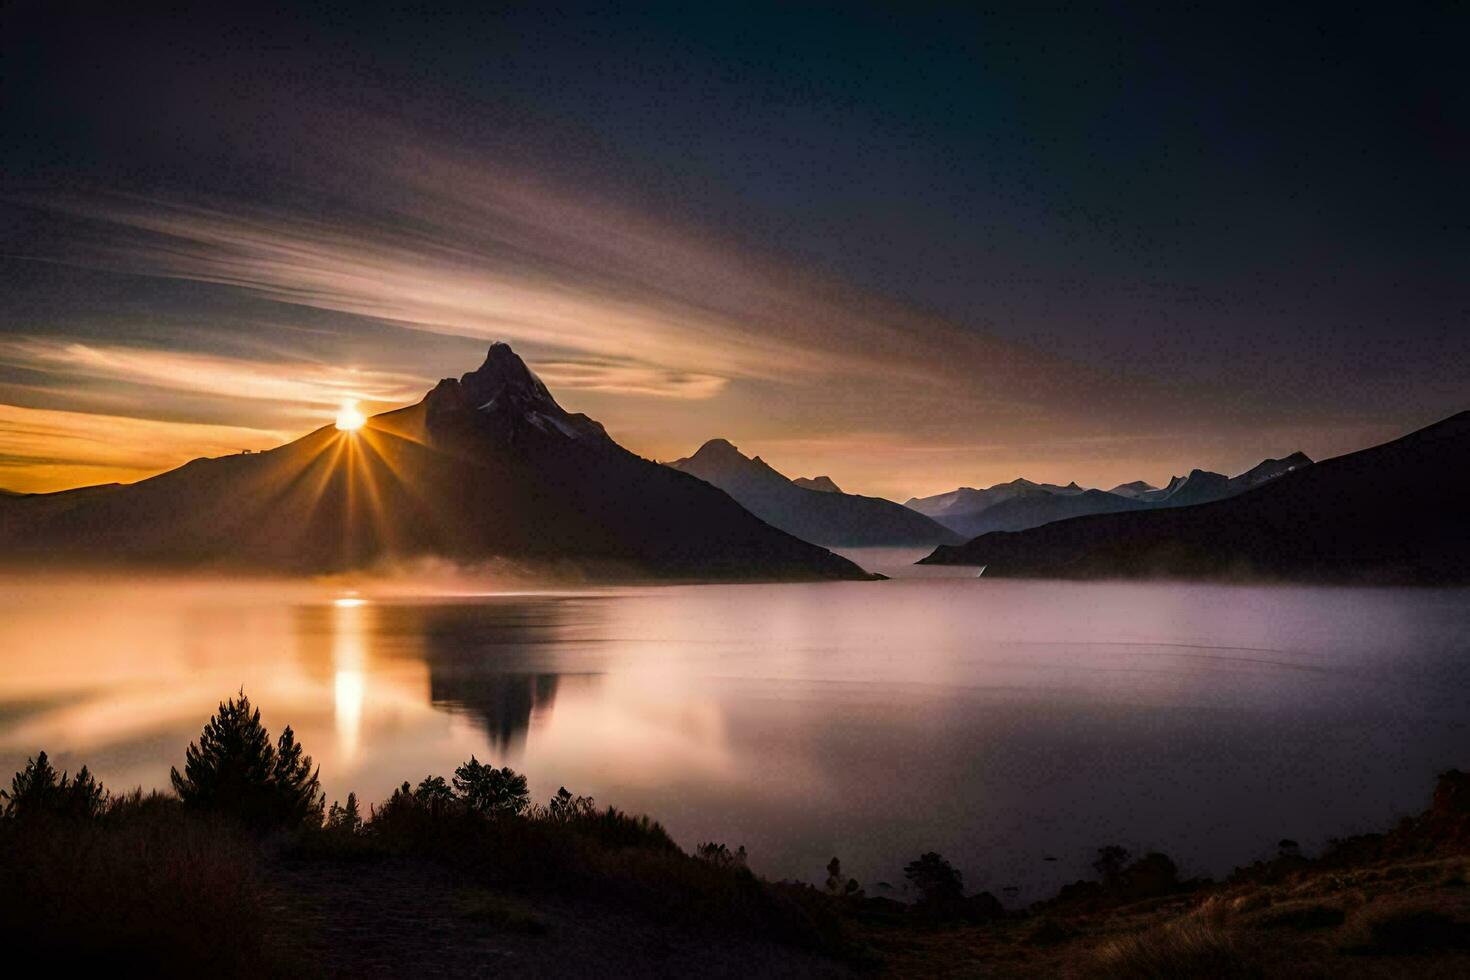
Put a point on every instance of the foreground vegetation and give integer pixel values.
(244, 870)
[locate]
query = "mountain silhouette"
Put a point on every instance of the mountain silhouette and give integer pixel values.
(1392, 514)
(1021, 504)
(1133, 490)
(821, 484)
(486, 466)
(829, 517)
(1015, 506)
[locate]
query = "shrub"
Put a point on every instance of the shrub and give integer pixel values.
(146, 884)
(234, 769)
(490, 791)
(38, 791)
(721, 856)
(565, 808)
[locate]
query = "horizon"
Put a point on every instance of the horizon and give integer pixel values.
(889, 250)
(350, 405)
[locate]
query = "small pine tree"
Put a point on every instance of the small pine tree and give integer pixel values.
(491, 791)
(37, 790)
(234, 769)
(345, 819)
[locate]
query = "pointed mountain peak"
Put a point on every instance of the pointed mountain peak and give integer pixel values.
(507, 399)
(504, 373)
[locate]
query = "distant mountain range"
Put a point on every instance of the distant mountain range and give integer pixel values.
(485, 466)
(1398, 513)
(821, 514)
(1021, 504)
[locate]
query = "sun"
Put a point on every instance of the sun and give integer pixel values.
(349, 419)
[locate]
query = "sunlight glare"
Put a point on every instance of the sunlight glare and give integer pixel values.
(349, 419)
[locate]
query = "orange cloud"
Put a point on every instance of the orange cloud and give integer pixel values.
(43, 450)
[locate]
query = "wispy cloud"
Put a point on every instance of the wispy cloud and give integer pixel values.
(295, 382)
(42, 449)
(628, 378)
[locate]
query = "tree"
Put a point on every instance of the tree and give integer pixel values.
(38, 790)
(235, 769)
(938, 882)
(493, 792)
(434, 794)
(345, 819)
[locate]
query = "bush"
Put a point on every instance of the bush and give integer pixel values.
(145, 883)
(721, 856)
(234, 769)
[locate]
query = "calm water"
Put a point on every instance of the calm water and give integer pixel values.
(997, 722)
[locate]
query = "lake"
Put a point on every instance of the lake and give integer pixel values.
(1002, 723)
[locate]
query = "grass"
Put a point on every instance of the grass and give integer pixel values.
(172, 893)
(1189, 947)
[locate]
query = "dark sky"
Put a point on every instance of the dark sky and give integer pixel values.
(916, 248)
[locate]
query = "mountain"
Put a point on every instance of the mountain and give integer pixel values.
(1393, 514)
(1268, 469)
(968, 500)
(1021, 504)
(1035, 509)
(1133, 490)
(1199, 487)
(486, 466)
(821, 484)
(826, 518)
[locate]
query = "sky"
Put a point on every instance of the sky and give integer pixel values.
(908, 247)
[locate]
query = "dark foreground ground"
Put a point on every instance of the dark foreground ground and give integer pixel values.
(429, 887)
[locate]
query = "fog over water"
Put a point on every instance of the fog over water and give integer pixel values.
(998, 722)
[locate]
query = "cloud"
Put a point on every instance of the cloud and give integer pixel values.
(43, 449)
(300, 383)
(628, 378)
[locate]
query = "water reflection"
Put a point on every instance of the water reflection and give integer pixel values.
(996, 722)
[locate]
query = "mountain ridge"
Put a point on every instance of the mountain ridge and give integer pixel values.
(828, 518)
(1390, 514)
(485, 466)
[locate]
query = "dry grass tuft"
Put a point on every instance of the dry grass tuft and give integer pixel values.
(1189, 947)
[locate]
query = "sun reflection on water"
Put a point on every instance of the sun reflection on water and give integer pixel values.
(349, 672)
